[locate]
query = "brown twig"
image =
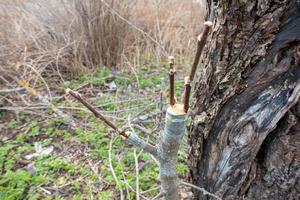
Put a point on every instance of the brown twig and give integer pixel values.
(78, 97)
(201, 43)
(187, 91)
(172, 77)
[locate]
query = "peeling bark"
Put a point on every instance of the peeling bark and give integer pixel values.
(250, 82)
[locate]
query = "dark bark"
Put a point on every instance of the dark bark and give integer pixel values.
(275, 172)
(243, 141)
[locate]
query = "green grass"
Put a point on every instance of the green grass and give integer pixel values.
(98, 79)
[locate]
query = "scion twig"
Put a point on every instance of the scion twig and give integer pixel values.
(172, 77)
(131, 137)
(78, 97)
(187, 89)
(200, 45)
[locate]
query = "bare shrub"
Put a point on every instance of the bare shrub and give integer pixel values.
(173, 23)
(64, 34)
(76, 35)
(103, 31)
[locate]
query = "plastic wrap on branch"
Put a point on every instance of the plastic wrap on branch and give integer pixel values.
(136, 141)
(166, 151)
(168, 148)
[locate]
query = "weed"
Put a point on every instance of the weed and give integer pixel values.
(17, 185)
(105, 195)
(12, 124)
(34, 129)
(182, 169)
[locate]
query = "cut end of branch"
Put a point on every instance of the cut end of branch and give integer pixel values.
(187, 80)
(125, 135)
(68, 90)
(171, 60)
(176, 109)
(208, 23)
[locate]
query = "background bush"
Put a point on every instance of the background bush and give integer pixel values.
(75, 35)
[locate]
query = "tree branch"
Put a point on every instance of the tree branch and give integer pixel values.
(205, 192)
(135, 140)
(187, 93)
(201, 43)
(7, 90)
(78, 97)
(172, 77)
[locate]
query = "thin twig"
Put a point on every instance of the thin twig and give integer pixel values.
(26, 85)
(137, 182)
(46, 191)
(134, 72)
(142, 129)
(112, 168)
(172, 77)
(43, 80)
(200, 45)
(127, 185)
(7, 90)
(187, 92)
(204, 191)
(77, 96)
(150, 190)
(158, 196)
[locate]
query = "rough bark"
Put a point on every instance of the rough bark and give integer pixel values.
(275, 172)
(250, 82)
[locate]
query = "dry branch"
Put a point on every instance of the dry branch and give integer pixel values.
(7, 90)
(204, 191)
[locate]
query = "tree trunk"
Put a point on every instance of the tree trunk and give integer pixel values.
(245, 130)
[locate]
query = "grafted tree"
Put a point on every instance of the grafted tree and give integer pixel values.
(245, 129)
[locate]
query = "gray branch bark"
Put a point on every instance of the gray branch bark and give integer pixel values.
(166, 151)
